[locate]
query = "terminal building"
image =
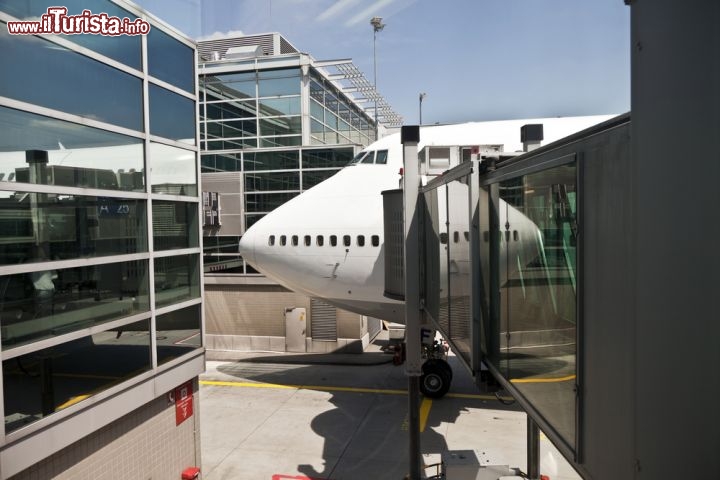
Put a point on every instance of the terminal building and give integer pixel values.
(273, 123)
(101, 312)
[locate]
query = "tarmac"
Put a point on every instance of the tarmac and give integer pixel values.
(342, 416)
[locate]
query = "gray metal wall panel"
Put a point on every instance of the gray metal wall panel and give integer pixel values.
(676, 120)
(323, 321)
(606, 319)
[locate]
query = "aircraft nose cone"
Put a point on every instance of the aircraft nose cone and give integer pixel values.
(247, 246)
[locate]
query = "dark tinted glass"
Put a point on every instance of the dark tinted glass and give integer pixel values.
(123, 48)
(266, 202)
(171, 115)
(178, 333)
(37, 227)
(270, 142)
(67, 154)
(223, 264)
(174, 225)
(230, 110)
(230, 86)
(224, 244)
(271, 107)
(263, 182)
(272, 160)
(47, 303)
(327, 158)
(79, 85)
(170, 60)
(312, 178)
(40, 383)
(280, 126)
(228, 162)
(279, 82)
(176, 279)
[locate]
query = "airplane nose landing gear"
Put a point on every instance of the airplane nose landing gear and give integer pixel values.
(437, 374)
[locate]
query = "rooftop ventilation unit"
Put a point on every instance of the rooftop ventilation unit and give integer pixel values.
(248, 51)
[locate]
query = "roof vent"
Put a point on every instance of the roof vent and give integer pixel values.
(531, 136)
(248, 51)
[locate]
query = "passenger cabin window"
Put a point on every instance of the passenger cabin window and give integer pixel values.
(369, 158)
(361, 240)
(308, 240)
(467, 236)
(443, 238)
(375, 240)
(294, 240)
(283, 240)
(320, 240)
(346, 240)
(381, 157)
(271, 240)
(456, 237)
(333, 240)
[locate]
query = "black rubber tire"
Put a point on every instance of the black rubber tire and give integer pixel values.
(435, 381)
(441, 364)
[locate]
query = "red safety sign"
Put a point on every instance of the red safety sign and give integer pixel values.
(183, 402)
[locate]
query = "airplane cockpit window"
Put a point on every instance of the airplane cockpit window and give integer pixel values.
(320, 240)
(308, 240)
(375, 240)
(283, 240)
(294, 240)
(346, 240)
(361, 240)
(381, 157)
(359, 157)
(271, 240)
(369, 158)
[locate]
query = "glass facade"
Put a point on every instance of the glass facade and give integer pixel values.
(254, 122)
(99, 217)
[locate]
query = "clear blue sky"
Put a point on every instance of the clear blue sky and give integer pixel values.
(475, 59)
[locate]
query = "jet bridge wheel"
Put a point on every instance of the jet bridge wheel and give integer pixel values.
(436, 378)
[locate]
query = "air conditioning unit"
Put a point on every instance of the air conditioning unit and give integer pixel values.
(472, 465)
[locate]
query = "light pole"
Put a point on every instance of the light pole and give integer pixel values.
(377, 25)
(422, 96)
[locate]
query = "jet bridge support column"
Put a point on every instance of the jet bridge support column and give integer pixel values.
(410, 136)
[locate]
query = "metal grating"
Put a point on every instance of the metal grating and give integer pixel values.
(210, 50)
(323, 320)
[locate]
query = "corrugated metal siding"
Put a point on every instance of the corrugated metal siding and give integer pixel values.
(323, 321)
(257, 312)
(266, 41)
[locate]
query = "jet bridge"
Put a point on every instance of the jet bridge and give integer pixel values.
(517, 257)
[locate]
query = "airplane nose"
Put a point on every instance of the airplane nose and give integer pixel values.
(247, 246)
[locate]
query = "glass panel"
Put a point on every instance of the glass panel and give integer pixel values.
(237, 144)
(272, 107)
(176, 279)
(178, 333)
(269, 142)
(325, 158)
(171, 115)
(459, 281)
(232, 129)
(266, 202)
(37, 227)
(226, 162)
(221, 244)
(279, 82)
(317, 111)
(170, 60)
(381, 157)
(47, 303)
(280, 126)
(175, 225)
(79, 85)
(230, 85)
(539, 291)
(231, 110)
(250, 220)
(272, 160)
(46, 381)
(42, 150)
(123, 48)
(262, 182)
(313, 177)
(173, 170)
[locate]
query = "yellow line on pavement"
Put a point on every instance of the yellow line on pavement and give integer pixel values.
(543, 380)
(424, 412)
(328, 388)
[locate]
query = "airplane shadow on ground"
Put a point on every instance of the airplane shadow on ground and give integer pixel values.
(365, 435)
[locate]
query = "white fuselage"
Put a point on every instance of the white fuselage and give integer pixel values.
(327, 243)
